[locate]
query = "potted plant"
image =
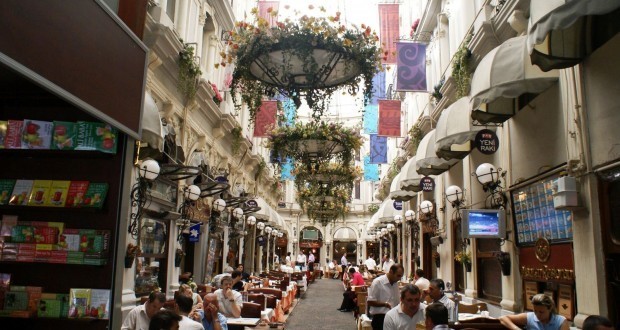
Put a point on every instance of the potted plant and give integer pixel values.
(133, 251)
(464, 257)
(373, 208)
(178, 257)
(504, 262)
(217, 98)
(437, 259)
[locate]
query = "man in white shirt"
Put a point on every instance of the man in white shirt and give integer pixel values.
(301, 260)
(435, 291)
(383, 294)
(183, 306)
(421, 282)
(286, 268)
(288, 259)
(408, 313)
(229, 300)
(331, 269)
(387, 263)
(436, 317)
(140, 317)
(371, 265)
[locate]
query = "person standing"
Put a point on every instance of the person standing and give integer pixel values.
(408, 313)
(383, 294)
(183, 306)
(371, 264)
(436, 317)
(387, 263)
(543, 317)
(310, 261)
(435, 291)
(288, 259)
(301, 260)
(140, 316)
(213, 319)
(343, 265)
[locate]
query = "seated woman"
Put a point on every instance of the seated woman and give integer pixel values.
(544, 316)
(187, 291)
(366, 275)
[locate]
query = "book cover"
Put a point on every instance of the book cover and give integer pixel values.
(96, 136)
(95, 195)
(21, 191)
(5, 282)
(40, 192)
(22, 234)
(64, 137)
(75, 194)
(13, 139)
(87, 240)
(34, 295)
(6, 188)
(3, 128)
(37, 134)
(15, 300)
(100, 245)
(51, 304)
(58, 193)
(79, 302)
(100, 304)
(8, 222)
(69, 240)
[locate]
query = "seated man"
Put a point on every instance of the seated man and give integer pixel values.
(183, 306)
(238, 284)
(408, 312)
(436, 317)
(349, 300)
(286, 268)
(435, 292)
(140, 316)
(230, 301)
(165, 320)
(213, 320)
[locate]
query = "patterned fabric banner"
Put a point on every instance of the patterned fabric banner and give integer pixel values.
(371, 171)
(287, 168)
(264, 11)
(411, 66)
(388, 31)
(378, 149)
(389, 118)
(265, 118)
(378, 87)
(371, 118)
(289, 112)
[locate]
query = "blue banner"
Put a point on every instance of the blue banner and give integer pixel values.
(287, 167)
(371, 171)
(371, 118)
(378, 87)
(378, 149)
(194, 233)
(289, 111)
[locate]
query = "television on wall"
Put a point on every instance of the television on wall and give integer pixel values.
(483, 223)
(310, 234)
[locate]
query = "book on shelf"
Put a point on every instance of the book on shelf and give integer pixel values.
(40, 192)
(79, 302)
(13, 139)
(58, 193)
(100, 304)
(53, 305)
(76, 192)
(6, 188)
(3, 128)
(96, 136)
(89, 303)
(8, 222)
(37, 134)
(95, 195)
(21, 191)
(64, 137)
(5, 283)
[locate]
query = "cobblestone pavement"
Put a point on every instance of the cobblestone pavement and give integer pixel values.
(318, 308)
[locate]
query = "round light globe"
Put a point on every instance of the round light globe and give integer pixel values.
(454, 194)
(191, 193)
(149, 169)
(219, 205)
(268, 230)
(237, 213)
(398, 219)
(410, 215)
(251, 220)
(426, 207)
(485, 173)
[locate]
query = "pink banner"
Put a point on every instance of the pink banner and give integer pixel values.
(389, 118)
(388, 31)
(265, 118)
(265, 8)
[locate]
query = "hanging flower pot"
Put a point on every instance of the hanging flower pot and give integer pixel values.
(418, 262)
(129, 262)
(437, 259)
(468, 266)
(504, 262)
(178, 257)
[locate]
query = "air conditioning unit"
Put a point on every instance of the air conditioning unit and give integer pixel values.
(566, 194)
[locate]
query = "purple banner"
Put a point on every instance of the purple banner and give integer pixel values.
(411, 66)
(378, 149)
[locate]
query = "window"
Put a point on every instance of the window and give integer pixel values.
(358, 190)
(151, 267)
(489, 270)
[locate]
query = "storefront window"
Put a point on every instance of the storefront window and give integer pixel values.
(151, 267)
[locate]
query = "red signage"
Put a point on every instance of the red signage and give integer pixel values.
(310, 244)
(389, 118)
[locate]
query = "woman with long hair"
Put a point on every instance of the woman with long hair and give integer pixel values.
(544, 316)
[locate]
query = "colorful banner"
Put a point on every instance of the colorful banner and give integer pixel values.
(371, 171)
(378, 87)
(411, 66)
(378, 149)
(194, 233)
(371, 118)
(389, 118)
(287, 168)
(388, 31)
(265, 118)
(290, 111)
(265, 8)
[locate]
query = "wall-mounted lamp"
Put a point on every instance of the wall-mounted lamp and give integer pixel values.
(251, 220)
(398, 219)
(384, 231)
(219, 205)
(391, 227)
(491, 180)
(410, 215)
(147, 172)
(190, 194)
(260, 226)
(280, 234)
(268, 230)
(454, 195)
(237, 213)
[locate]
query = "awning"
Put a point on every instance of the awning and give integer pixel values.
(265, 210)
(505, 73)
(396, 193)
(345, 233)
(562, 32)
(410, 178)
(387, 211)
(427, 162)
(455, 131)
(152, 129)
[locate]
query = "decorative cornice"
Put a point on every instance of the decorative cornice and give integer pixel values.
(223, 13)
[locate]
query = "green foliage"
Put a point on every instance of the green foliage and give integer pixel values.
(416, 135)
(461, 68)
(237, 137)
(436, 90)
(189, 72)
(373, 208)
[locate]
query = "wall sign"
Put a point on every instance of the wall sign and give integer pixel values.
(398, 205)
(251, 203)
(427, 184)
(487, 142)
(194, 233)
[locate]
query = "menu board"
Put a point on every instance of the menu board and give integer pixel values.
(535, 215)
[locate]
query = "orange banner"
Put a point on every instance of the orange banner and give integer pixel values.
(265, 118)
(388, 31)
(389, 118)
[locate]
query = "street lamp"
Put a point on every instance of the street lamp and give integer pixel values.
(147, 172)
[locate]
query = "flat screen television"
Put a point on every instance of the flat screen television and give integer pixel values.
(310, 234)
(483, 223)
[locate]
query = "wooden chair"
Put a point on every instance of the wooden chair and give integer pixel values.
(271, 301)
(250, 309)
(274, 292)
(473, 308)
(258, 298)
(203, 290)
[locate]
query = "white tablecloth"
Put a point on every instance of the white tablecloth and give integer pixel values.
(267, 314)
(468, 316)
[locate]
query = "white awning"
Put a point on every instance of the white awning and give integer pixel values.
(152, 129)
(559, 33)
(427, 162)
(345, 233)
(455, 131)
(506, 72)
(410, 177)
(396, 192)
(264, 213)
(387, 211)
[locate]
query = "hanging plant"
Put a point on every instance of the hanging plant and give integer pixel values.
(461, 68)
(331, 173)
(299, 74)
(237, 137)
(189, 72)
(373, 208)
(436, 90)
(217, 98)
(416, 135)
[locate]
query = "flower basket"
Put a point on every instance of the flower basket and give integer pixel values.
(467, 266)
(437, 259)
(504, 262)
(129, 262)
(178, 257)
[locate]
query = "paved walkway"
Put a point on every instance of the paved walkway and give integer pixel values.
(318, 308)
